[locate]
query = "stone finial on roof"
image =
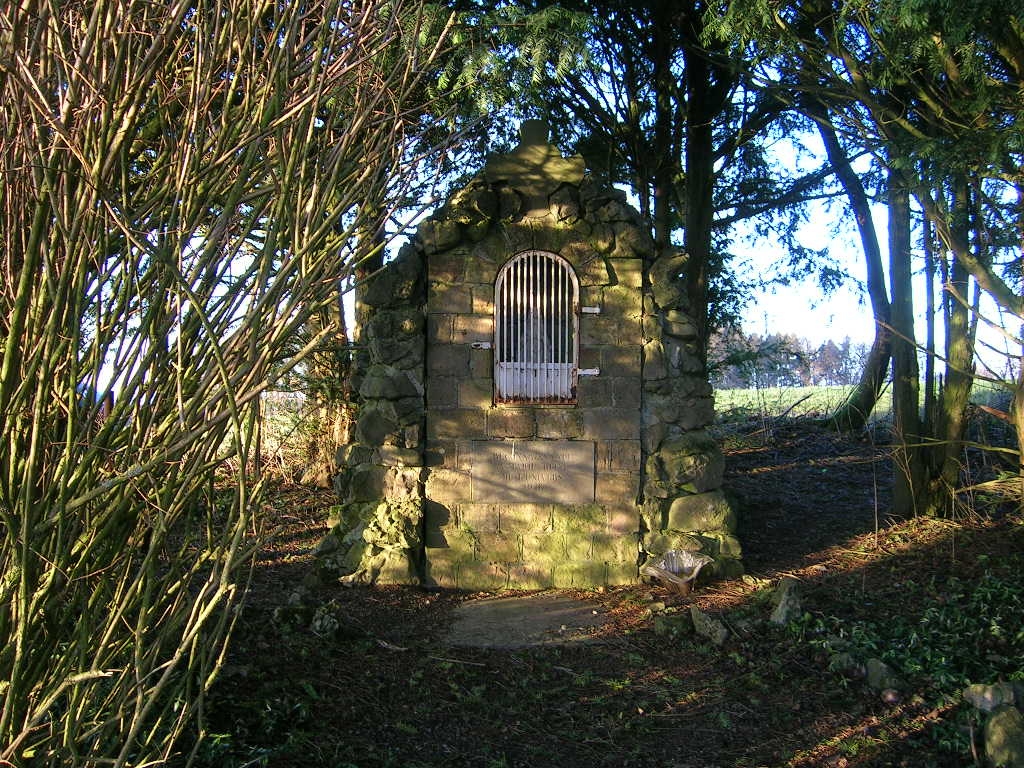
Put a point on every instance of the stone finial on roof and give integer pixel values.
(535, 168)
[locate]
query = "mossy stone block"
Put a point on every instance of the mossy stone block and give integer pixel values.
(441, 570)
(693, 459)
(591, 518)
(701, 512)
(448, 485)
(530, 576)
(475, 393)
(580, 575)
(450, 298)
(499, 548)
(439, 235)
(544, 548)
(579, 545)
(559, 423)
(511, 423)
(614, 549)
(388, 382)
(618, 489)
(477, 518)
(622, 301)
(523, 518)
(458, 546)
(481, 577)
(397, 567)
(377, 422)
(624, 521)
(622, 573)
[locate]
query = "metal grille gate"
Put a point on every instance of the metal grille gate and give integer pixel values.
(536, 350)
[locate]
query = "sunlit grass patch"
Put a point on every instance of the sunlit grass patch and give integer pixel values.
(794, 402)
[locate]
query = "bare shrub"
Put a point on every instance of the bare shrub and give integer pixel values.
(183, 184)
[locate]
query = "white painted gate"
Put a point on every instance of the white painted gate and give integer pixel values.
(536, 330)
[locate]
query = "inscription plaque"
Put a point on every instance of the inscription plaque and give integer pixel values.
(534, 472)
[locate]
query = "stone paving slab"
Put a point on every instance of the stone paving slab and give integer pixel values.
(545, 618)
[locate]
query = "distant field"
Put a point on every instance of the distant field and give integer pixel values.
(772, 402)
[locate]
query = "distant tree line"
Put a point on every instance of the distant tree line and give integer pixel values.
(738, 360)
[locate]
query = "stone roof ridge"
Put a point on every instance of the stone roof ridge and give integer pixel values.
(535, 167)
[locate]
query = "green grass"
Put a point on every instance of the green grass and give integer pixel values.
(820, 401)
(772, 402)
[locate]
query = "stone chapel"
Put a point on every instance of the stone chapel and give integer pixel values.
(532, 409)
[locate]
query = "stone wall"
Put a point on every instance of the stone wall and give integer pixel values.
(376, 531)
(684, 507)
(475, 545)
(412, 483)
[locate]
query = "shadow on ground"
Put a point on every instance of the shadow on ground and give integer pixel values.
(364, 677)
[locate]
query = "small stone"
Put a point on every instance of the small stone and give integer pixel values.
(787, 602)
(326, 545)
(989, 697)
(1004, 738)
(673, 624)
(891, 696)
(881, 676)
(708, 626)
(325, 623)
(845, 664)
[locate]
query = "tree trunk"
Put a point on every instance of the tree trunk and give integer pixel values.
(928, 244)
(707, 89)
(908, 457)
(951, 413)
(853, 414)
(1017, 419)
(665, 158)
(329, 387)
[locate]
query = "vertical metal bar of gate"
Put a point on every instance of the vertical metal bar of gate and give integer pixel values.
(535, 326)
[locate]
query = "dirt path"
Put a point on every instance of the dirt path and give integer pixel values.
(522, 621)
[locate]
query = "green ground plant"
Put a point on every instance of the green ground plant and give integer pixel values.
(961, 630)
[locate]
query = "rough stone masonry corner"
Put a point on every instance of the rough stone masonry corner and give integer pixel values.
(450, 482)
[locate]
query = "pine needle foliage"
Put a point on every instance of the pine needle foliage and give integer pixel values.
(182, 187)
